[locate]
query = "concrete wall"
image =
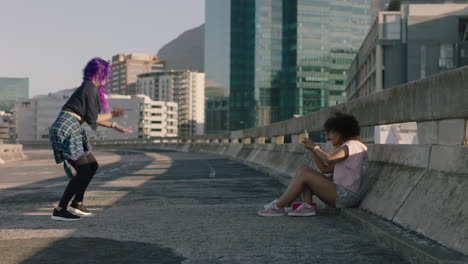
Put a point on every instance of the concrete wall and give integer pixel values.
(11, 152)
(422, 188)
(419, 101)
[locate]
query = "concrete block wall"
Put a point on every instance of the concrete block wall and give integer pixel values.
(443, 132)
(389, 176)
(437, 206)
(11, 152)
(419, 187)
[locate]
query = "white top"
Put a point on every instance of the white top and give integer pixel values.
(348, 171)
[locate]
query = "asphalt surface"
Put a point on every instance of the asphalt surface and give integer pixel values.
(155, 206)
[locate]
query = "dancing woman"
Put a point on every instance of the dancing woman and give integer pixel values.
(70, 142)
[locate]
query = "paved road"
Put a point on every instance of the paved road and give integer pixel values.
(165, 207)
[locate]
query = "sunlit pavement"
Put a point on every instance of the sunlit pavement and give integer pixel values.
(166, 207)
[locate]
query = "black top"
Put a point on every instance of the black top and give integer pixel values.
(85, 103)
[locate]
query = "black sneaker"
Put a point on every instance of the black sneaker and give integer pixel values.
(79, 209)
(64, 215)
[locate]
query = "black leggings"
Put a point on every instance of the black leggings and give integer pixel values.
(86, 166)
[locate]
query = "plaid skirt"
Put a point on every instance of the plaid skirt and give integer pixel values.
(68, 138)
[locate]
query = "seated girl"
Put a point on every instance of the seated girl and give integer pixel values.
(340, 191)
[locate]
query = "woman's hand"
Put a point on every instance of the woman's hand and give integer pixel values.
(118, 112)
(308, 144)
(122, 129)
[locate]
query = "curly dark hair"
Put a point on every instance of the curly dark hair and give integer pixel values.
(344, 124)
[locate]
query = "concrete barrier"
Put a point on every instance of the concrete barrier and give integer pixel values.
(11, 152)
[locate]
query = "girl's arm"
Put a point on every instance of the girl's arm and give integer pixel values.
(103, 118)
(324, 168)
(115, 126)
(104, 123)
(341, 154)
(118, 112)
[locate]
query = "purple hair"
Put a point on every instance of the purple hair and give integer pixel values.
(98, 69)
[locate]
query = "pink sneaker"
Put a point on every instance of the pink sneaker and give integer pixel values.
(272, 211)
(303, 210)
(287, 209)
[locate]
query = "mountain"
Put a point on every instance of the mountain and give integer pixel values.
(186, 52)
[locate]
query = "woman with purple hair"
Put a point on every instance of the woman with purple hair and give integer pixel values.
(70, 142)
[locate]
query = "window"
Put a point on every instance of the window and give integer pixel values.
(391, 27)
(336, 93)
(423, 62)
(463, 30)
(446, 60)
(136, 70)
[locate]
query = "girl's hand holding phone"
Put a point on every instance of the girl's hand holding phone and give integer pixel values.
(308, 144)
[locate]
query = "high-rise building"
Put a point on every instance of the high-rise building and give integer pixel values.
(126, 67)
(185, 88)
(217, 63)
(285, 58)
(412, 40)
(147, 118)
(408, 41)
(216, 108)
(12, 89)
(216, 113)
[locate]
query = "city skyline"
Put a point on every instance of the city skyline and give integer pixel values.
(49, 42)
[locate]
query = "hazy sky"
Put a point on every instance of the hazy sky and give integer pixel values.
(50, 41)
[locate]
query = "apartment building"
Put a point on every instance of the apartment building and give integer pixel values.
(185, 88)
(126, 67)
(147, 118)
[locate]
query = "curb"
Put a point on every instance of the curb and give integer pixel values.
(409, 245)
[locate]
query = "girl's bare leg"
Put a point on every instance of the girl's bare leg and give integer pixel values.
(307, 192)
(307, 195)
(316, 182)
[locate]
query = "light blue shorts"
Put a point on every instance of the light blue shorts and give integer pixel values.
(346, 198)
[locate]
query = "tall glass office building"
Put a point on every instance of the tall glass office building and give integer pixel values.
(217, 64)
(329, 33)
(12, 89)
(286, 57)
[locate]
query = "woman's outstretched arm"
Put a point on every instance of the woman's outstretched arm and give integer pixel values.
(118, 112)
(115, 126)
(103, 121)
